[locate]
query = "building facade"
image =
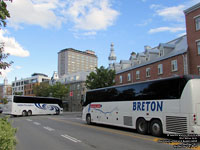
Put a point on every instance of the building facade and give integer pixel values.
(25, 86)
(192, 17)
(77, 89)
(72, 61)
(5, 89)
(178, 57)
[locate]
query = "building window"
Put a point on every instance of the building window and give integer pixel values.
(199, 70)
(161, 53)
(138, 74)
(129, 77)
(160, 69)
(147, 72)
(120, 79)
(174, 65)
(197, 22)
(198, 47)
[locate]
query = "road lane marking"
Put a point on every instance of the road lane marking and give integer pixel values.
(138, 136)
(48, 128)
(71, 138)
(106, 129)
(36, 123)
(29, 120)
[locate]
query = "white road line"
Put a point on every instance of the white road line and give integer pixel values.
(29, 120)
(48, 128)
(71, 138)
(36, 123)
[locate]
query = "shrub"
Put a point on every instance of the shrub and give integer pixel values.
(7, 135)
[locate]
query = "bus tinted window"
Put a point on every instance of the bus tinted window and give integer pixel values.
(24, 99)
(152, 90)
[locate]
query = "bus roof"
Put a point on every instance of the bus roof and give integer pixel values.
(36, 97)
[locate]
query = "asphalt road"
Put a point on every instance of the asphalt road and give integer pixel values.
(69, 132)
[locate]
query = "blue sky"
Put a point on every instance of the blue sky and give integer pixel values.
(39, 29)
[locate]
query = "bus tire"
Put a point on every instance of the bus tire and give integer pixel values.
(142, 126)
(88, 119)
(57, 112)
(29, 113)
(24, 113)
(156, 127)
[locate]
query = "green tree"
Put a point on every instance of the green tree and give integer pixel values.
(4, 100)
(43, 89)
(101, 78)
(4, 14)
(59, 90)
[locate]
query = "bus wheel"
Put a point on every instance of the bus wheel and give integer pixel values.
(57, 112)
(24, 113)
(29, 113)
(88, 119)
(141, 126)
(156, 128)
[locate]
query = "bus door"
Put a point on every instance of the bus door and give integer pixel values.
(198, 113)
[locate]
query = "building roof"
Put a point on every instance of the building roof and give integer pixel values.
(78, 51)
(39, 74)
(192, 8)
(179, 48)
(125, 62)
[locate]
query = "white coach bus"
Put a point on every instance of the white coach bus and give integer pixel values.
(169, 106)
(27, 105)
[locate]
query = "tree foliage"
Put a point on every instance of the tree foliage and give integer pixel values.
(45, 90)
(4, 13)
(3, 65)
(4, 100)
(101, 78)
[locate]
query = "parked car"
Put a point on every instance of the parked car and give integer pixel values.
(1, 108)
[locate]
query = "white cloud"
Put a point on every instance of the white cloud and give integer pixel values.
(91, 14)
(5, 72)
(163, 29)
(38, 12)
(155, 6)
(11, 46)
(18, 67)
(89, 33)
(85, 15)
(172, 13)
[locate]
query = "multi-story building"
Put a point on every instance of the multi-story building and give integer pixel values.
(25, 86)
(192, 17)
(180, 56)
(5, 89)
(76, 82)
(71, 61)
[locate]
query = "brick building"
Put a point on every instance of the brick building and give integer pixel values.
(192, 16)
(180, 56)
(25, 86)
